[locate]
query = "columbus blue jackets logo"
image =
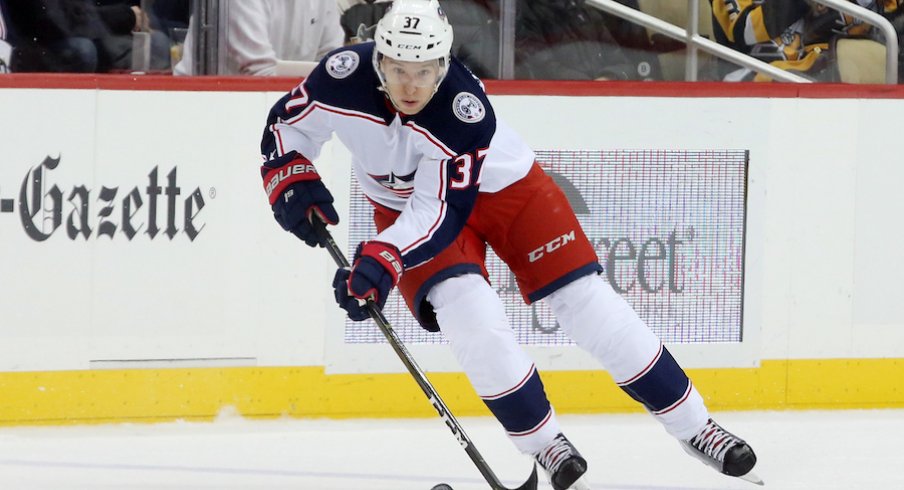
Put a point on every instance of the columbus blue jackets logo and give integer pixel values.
(343, 64)
(468, 108)
(400, 185)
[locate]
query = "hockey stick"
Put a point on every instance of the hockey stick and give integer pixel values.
(326, 239)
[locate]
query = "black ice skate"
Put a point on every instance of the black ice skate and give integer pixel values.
(564, 465)
(724, 451)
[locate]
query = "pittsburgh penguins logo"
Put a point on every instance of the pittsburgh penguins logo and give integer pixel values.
(468, 108)
(343, 64)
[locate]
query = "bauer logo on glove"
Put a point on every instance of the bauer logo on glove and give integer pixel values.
(295, 192)
(281, 177)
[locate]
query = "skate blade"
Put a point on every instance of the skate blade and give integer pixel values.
(580, 484)
(752, 478)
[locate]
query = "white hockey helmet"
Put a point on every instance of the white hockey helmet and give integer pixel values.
(415, 31)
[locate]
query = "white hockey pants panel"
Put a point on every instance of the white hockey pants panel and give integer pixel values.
(472, 317)
(601, 322)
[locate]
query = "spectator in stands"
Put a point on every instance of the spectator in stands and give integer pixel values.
(345, 5)
(116, 50)
(476, 41)
(6, 49)
(568, 40)
(79, 35)
(169, 14)
(274, 37)
(893, 10)
(639, 46)
(359, 18)
(795, 35)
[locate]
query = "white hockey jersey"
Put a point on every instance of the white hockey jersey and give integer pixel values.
(430, 166)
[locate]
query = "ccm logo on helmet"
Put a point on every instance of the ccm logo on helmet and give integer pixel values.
(288, 172)
(551, 246)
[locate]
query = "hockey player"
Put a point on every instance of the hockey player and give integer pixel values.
(446, 178)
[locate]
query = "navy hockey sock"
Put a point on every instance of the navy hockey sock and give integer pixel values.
(660, 387)
(522, 409)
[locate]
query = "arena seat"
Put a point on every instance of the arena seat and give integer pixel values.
(675, 12)
(860, 61)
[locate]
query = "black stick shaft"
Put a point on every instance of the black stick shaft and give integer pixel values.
(326, 239)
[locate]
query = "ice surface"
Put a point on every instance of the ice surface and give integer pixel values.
(797, 450)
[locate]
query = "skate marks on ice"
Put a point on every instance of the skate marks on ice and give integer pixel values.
(169, 476)
(62, 475)
(845, 449)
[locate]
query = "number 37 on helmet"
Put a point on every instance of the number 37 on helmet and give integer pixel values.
(414, 31)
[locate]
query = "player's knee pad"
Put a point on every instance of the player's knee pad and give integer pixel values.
(603, 323)
(465, 303)
(472, 317)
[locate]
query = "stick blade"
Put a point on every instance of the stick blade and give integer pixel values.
(531, 483)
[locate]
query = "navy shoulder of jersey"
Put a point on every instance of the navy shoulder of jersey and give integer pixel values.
(459, 114)
(345, 78)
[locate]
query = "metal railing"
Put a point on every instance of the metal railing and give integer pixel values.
(507, 39)
(209, 31)
(696, 42)
(876, 20)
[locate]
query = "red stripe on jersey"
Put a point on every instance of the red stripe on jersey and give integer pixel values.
(276, 133)
(361, 115)
(439, 219)
(445, 149)
(297, 100)
(433, 227)
(303, 114)
(400, 193)
(443, 178)
(335, 110)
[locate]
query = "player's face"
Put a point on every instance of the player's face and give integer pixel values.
(410, 84)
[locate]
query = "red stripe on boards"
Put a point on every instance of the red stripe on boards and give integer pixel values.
(494, 87)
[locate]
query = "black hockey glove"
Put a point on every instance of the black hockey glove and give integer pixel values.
(295, 192)
(376, 269)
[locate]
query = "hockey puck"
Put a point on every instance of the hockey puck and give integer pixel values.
(442, 486)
